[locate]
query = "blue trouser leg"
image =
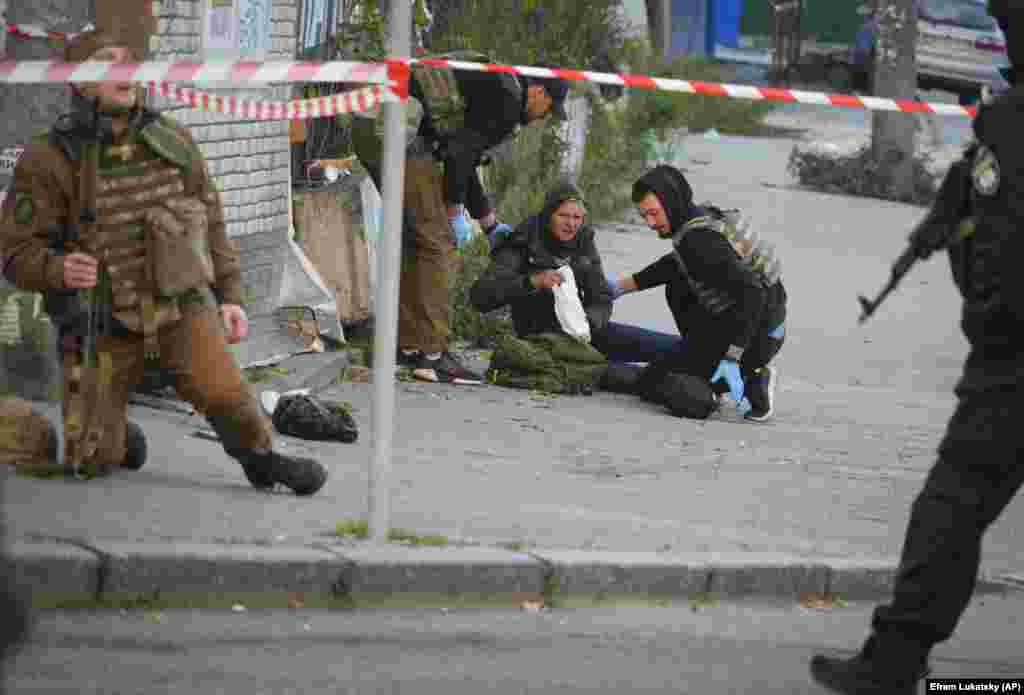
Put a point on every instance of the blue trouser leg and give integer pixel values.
(625, 343)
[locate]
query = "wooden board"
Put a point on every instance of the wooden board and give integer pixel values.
(325, 232)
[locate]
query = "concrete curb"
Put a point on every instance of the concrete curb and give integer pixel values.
(71, 571)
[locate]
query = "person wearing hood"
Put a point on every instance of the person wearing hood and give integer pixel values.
(723, 288)
(523, 270)
(454, 117)
(978, 471)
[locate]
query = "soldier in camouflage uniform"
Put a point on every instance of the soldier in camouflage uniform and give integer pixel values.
(159, 253)
(979, 468)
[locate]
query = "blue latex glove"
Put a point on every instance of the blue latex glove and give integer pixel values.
(498, 233)
(462, 230)
(611, 280)
(730, 371)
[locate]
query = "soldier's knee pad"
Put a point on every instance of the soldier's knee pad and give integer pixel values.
(135, 447)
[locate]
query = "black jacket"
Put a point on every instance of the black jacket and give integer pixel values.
(495, 108)
(531, 249)
(987, 265)
(717, 282)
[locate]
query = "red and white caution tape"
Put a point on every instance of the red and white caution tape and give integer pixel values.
(716, 89)
(394, 72)
(357, 101)
(233, 72)
(28, 31)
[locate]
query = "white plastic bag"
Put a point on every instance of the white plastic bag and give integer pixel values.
(569, 308)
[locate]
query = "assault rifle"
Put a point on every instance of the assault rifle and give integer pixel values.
(82, 314)
(946, 224)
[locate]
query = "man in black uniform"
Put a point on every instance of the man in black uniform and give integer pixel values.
(979, 467)
(723, 288)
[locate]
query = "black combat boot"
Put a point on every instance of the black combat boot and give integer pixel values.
(264, 469)
(889, 667)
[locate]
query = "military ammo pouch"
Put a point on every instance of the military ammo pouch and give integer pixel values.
(178, 255)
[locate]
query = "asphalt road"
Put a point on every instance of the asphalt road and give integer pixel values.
(757, 648)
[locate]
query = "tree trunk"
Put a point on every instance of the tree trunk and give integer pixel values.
(895, 77)
(659, 26)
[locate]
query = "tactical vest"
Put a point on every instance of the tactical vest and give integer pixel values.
(443, 102)
(757, 253)
(134, 181)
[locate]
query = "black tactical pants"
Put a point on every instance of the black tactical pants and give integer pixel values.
(979, 470)
(706, 341)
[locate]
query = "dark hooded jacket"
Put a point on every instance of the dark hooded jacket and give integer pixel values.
(531, 249)
(718, 289)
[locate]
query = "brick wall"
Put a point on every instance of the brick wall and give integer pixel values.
(249, 160)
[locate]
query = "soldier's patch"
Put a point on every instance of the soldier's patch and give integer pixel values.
(24, 208)
(985, 173)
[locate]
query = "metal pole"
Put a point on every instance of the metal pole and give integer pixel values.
(385, 344)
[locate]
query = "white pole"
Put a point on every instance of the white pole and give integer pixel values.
(385, 344)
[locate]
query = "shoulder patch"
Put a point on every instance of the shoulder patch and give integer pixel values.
(169, 142)
(24, 208)
(985, 172)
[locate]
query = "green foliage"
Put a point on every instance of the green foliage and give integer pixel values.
(625, 139)
(859, 173)
(352, 528)
(468, 324)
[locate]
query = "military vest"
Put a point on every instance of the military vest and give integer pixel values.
(443, 102)
(757, 253)
(144, 174)
(758, 256)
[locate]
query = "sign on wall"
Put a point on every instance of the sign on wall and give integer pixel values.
(234, 29)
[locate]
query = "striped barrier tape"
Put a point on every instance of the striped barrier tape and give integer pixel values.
(28, 31)
(392, 73)
(395, 73)
(357, 101)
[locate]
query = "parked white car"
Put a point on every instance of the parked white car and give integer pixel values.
(959, 48)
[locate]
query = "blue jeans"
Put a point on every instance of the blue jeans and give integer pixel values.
(621, 342)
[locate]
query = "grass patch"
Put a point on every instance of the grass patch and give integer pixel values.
(360, 528)
(255, 375)
(353, 528)
(397, 535)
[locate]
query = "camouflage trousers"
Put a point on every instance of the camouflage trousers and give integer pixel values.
(548, 362)
(194, 352)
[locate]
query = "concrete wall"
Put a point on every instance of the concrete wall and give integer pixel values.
(26, 108)
(249, 160)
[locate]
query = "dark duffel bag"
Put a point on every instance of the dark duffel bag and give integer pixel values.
(308, 417)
